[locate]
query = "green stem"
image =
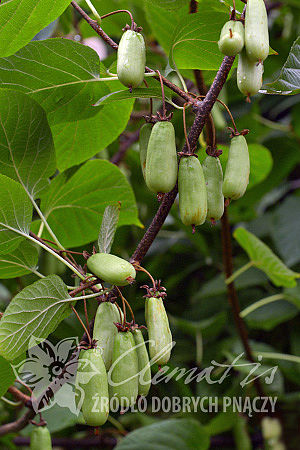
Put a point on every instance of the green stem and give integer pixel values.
(94, 11)
(41, 229)
(239, 272)
(44, 221)
(199, 348)
(48, 249)
(282, 356)
(116, 423)
(259, 303)
(38, 274)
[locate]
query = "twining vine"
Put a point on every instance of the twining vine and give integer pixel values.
(201, 108)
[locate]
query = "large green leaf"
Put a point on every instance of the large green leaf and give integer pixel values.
(216, 286)
(194, 44)
(77, 141)
(162, 22)
(74, 207)
(285, 229)
(269, 316)
(263, 258)
(35, 312)
(208, 327)
(15, 214)
(7, 376)
(26, 145)
(288, 82)
(21, 261)
(60, 74)
(172, 434)
(21, 20)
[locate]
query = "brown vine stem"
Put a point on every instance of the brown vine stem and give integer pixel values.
(14, 427)
(120, 11)
(82, 324)
(19, 395)
(125, 144)
(114, 45)
(202, 109)
(232, 294)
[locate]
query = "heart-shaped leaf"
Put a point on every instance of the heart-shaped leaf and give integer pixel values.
(21, 20)
(26, 144)
(21, 261)
(15, 214)
(35, 312)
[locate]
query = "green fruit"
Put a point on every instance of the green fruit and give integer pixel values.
(144, 378)
(161, 162)
(160, 337)
(249, 75)
(213, 175)
(95, 405)
(40, 439)
(145, 132)
(232, 38)
(192, 191)
(271, 428)
(218, 117)
(105, 331)
(256, 30)
(111, 268)
(241, 435)
(131, 59)
(237, 169)
(124, 370)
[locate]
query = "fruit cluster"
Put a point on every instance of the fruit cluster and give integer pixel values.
(251, 42)
(201, 187)
(118, 359)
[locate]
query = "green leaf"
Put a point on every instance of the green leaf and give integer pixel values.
(7, 376)
(108, 228)
(21, 20)
(195, 40)
(35, 312)
(263, 258)
(117, 96)
(224, 421)
(216, 285)
(269, 316)
(60, 74)
(208, 327)
(285, 232)
(74, 207)
(170, 5)
(77, 141)
(288, 82)
(26, 145)
(172, 434)
(162, 22)
(15, 214)
(21, 261)
(293, 295)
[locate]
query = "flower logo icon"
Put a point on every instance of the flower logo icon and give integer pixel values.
(52, 373)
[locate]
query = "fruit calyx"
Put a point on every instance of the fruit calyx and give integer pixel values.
(158, 291)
